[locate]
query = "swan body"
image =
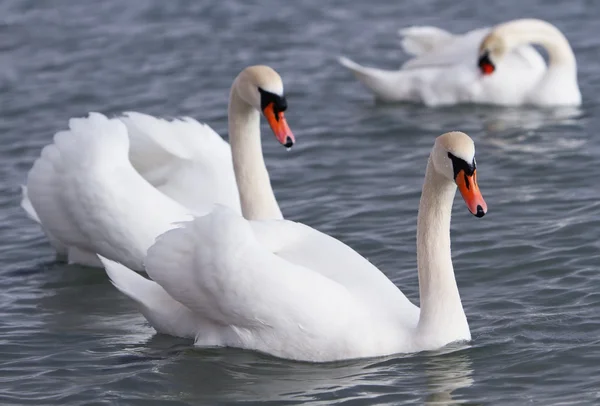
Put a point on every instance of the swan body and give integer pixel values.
(111, 186)
(286, 289)
(444, 68)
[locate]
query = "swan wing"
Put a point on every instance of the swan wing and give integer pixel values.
(439, 49)
(185, 159)
(60, 248)
(87, 195)
(304, 246)
(419, 40)
(454, 50)
(216, 267)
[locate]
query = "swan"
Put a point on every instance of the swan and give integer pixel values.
(286, 289)
(487, 66)
(93, 194)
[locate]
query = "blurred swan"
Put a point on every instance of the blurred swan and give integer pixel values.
(286, 289)
(488, 66)
(111, 186)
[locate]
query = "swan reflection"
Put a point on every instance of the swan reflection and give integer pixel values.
(445, 374)
(230, 375)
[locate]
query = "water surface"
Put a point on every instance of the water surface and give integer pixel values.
(527, 272)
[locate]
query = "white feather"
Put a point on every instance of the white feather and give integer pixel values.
(418, 40)
(444, 71)
(88, 195)
(163, 312)
(222, 268)
(110, 186)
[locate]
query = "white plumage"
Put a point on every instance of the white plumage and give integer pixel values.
(90, 198)
(444, 68)
(286, 289)
(110, 186)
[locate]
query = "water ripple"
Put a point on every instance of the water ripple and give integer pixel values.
(527, 272)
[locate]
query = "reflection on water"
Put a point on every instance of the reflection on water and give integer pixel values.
(233, 375)
(97, 329)
(534, 131)
(445, 374)
(527, 272)
(529, 118)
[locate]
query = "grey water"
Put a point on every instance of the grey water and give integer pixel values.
(528, 271)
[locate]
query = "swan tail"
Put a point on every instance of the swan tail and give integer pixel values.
(419, 40)
(355, 68)
(131, 283)
(26, 205)
(165, 314)
(386, 85)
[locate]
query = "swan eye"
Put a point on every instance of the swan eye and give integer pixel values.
(459, 164)
(266, 98)
(485, 64)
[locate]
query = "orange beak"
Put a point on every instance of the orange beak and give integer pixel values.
(469, 189)
(486, 66)
(279, 126)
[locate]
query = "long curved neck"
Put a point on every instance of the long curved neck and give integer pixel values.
(531, 31)
(256, 194)
(442, 317)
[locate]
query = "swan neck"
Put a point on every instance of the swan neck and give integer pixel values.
(256, 194)
(442, 315)
(525, 32)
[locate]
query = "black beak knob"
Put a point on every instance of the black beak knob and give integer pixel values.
(288, 142)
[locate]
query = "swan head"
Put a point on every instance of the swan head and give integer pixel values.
(262, 88)
(491, 51)
(453, 157)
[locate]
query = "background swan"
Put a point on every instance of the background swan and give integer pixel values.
(488, 66)
(286, 289)
(92, 193)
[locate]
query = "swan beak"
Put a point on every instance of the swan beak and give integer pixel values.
(279, 126)
(486, 66)
(469, 189)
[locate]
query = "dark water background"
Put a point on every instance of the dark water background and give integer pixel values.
(527, 272)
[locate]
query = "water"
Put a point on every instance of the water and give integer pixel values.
(527, 272)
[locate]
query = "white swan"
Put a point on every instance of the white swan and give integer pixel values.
(90, 199)
(487, 66)
(286, 289)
